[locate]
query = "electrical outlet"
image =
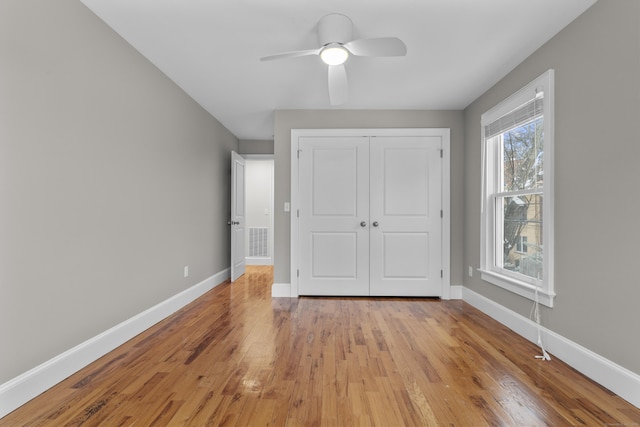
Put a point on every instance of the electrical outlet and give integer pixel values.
(186, 271)
(470, 271)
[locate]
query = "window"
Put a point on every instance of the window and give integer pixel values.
(521, 245)
(517, 193)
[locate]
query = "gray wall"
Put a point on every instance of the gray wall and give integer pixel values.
(597, 80)
(111, 180)
(285, 120)
(252, 146)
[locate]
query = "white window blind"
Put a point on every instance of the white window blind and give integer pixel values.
(517, 117)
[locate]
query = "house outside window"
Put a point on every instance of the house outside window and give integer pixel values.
(517, 193)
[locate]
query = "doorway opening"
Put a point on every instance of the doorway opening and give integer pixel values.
(259, 196)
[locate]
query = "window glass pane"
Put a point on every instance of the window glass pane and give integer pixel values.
(522, 234)
(521, 244)
(522, 157)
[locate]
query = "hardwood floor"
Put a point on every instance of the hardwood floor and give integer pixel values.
(237, 357)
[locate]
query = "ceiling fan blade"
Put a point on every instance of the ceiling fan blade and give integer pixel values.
(338, 85)
(382, 46)
(293, 54)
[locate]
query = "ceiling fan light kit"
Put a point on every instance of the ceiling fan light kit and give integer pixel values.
(334, 54)
(335, 32)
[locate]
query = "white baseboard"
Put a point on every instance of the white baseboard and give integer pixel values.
(455, 292)
(259, 261)
(19, 390)
(616, 378)
(281, 290)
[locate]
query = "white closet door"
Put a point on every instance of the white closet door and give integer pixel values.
(334, 215)
(406, 201)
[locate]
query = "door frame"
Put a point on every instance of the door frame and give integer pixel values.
(444, 133)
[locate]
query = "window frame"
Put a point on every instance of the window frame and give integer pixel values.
(541, 290)
(521, 245)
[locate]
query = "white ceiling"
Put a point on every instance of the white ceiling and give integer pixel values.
(457, 49)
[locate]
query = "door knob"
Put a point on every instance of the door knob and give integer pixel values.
(363, 224)
(375, 223)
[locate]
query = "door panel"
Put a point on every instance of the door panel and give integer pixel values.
(415, 249)
(405, 181)
(237, 216)
(334, 184)
(334, 255)
(405, 202)
(334, 201)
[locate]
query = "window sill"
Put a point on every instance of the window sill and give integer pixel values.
(518, 287)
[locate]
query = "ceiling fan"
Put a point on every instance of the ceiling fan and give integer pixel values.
(334, 35)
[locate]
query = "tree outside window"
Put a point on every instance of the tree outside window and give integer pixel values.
(522, 170)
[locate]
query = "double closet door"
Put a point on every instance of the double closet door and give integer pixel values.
(370, 215)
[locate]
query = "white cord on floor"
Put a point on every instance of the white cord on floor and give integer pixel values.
(536, 312)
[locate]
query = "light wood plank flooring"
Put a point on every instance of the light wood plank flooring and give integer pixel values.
(237, 357)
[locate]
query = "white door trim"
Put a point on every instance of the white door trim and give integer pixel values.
(446, 190)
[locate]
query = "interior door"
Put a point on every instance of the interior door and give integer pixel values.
(334, 215)
(405, 214)
(237, 215)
